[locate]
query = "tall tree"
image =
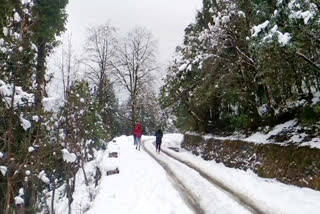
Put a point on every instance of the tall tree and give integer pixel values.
(100, 51)
(50, 18)
(135, 60)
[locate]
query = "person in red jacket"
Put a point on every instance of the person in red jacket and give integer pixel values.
(138, 133)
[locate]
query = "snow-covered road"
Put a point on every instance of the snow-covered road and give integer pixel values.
(144, 186)
(210, 198)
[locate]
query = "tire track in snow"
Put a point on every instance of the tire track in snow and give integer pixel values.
(190, 199)
(242, 199)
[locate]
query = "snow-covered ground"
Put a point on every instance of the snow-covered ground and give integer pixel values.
(261, 137)
(143, 186)
(268, 194)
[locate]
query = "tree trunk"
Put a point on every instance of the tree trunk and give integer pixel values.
(40, 75)
(133, 109)
(11, 139)
(53, 196)
(84, 172)
(28, 198)
(97, 176)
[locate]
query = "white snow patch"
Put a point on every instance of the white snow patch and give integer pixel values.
(306, 15)
(17, 17)
(35, 118)
(25, 123)
(21, 192)
(25, 1)
(18, 200)
(241, 14)
(68, 157)
(3, 170)
(283, 38)
(43, 177)
(183, 67)
(52, 103)
(5, 31)
(30, 149)
(257, 29)
(316, 98)
(262, 138)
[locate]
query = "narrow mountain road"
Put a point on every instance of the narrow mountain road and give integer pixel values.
(203, 193)
(240, 198)
(179, 182)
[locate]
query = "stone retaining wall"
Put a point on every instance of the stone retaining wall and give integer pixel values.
(299, 166)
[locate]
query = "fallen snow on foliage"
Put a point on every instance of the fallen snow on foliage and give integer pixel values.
(25, 123)
(17, 17)
(1, 154)
(21, 191)
(3, 170)
(306, 15)
(283, 39)
(316, 98)
(18, 200)
(30, 149)
(35, 118)
(260, 137)
(257, 29)
(43, 177)
(183, 67)
(5, 31)
(68, 157)
(52, 103)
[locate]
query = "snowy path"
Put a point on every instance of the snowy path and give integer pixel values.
(210, 197)
(141, 187)
(268, 195)
(243, 200)
(145, 186)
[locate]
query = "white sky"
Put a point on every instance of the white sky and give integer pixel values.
(166, 19)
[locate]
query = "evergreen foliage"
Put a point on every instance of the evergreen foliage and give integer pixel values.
(245, 64)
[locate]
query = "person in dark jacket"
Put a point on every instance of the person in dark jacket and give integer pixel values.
(158, 135)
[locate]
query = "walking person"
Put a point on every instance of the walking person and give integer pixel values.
(158, 135)
(138, 133)
(134, 139)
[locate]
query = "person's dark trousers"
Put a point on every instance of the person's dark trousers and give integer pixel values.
(158, 146)
(134, 139)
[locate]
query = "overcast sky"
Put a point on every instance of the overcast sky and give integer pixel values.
(166, 19)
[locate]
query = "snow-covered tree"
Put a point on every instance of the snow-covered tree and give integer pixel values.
(135, 61)
(242, 64)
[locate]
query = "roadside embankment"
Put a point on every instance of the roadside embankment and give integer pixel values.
(290, 164)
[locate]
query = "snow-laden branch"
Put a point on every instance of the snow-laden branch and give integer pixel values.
(20, 97)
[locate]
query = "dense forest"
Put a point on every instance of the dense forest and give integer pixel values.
(245, 65)
(242, 65)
